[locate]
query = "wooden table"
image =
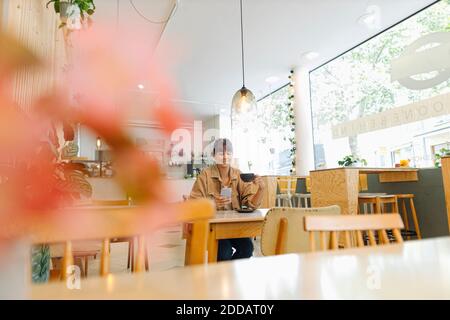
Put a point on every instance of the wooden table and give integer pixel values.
(418, 269)
(227, 225)
(340, 186)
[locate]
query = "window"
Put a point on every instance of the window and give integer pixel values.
(383, 100)
(261, 138)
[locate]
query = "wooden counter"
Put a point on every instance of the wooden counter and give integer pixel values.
(340, 186)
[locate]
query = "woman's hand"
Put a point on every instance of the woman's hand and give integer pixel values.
(221, 201)
(259, 182)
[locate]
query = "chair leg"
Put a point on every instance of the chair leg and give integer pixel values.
(395, 206)
(414, 216)
(405, 218)
(86, 261)
(146, 256)
(132, 254)
(129, 255)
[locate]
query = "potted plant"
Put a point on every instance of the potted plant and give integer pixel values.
(438, 156)
(71, 185)
(73, 12)
(352, 161)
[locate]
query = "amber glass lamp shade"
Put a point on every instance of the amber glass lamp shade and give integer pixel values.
(243, 101)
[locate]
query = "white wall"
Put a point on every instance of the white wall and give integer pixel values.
(87, 142)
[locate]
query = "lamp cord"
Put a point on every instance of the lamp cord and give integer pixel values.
(242, 48)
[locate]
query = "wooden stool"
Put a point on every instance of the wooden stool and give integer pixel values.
(403, 198)
(378, 204)
(387, 200)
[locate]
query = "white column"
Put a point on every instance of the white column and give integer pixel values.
(303, 123)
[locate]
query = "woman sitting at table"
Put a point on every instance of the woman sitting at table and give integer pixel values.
(221, 175)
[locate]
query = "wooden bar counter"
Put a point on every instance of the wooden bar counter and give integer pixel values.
(340, 186)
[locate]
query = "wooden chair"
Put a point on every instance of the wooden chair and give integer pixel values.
(283, 230)
(129, 240)
(121, 202)
(85, 250)
(303, 200)
(286, 189)
(104, 223)
(347, 224)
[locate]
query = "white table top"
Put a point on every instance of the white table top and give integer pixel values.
(418, 269)
(234, 216)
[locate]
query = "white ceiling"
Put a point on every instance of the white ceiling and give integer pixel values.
(201, 43)
(122, 13)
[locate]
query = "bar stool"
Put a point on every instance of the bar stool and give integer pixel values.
(402, 199)
(379, 204)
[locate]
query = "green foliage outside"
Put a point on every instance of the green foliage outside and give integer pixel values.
(358, 83)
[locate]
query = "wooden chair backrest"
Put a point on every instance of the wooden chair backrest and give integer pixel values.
(287, 184)
(122, 202)
(308, 184)
(349, 225)
(283, 230)
(106, 223)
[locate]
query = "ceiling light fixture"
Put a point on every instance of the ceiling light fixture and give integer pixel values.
(141, 86)
(311, 55)
(243, 100)
(371, 18)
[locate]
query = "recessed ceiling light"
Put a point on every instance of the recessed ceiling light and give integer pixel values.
(272, 79)
(311, 55)
(368, 19)
(141, 86)
(371, 18)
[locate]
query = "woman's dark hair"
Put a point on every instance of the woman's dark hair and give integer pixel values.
(221, 145)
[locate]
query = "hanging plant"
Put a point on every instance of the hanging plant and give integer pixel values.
(73, 12)
(291, 120)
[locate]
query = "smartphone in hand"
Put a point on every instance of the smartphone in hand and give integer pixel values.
(225, 192)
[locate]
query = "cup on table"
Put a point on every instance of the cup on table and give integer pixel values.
(247, 177)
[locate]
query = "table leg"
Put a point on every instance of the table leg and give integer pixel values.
(188, 237)
(213, 245)
(196, 244)
(140, 259)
